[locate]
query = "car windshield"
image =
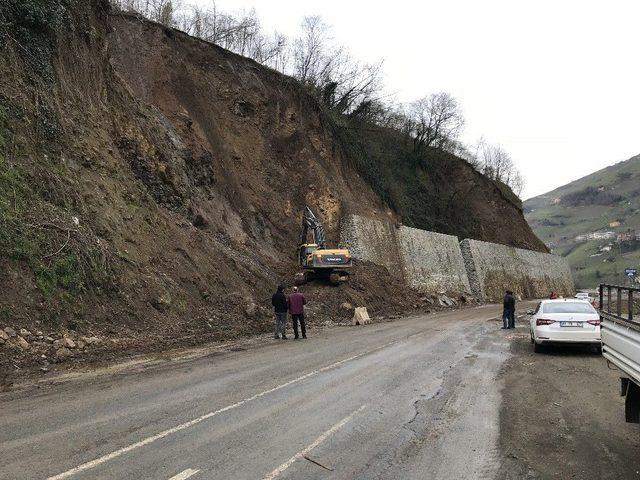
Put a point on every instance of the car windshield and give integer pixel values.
(568, 307)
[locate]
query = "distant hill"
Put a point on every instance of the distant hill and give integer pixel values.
(594, 222)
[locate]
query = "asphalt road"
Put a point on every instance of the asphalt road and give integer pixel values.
(415, 398)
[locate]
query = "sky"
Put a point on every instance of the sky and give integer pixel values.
(554, 82)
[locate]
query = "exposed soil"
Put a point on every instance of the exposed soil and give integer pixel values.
(562, 416)
(151, 188)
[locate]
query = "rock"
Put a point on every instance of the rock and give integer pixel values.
(3, 335)
(361, 316)
(44, 369)
(63, 353)
(162, 303)
(466, 298)
(346, 306)
(49, 339)
(22, 343)
(250, 309)
(24, 332)
(10, 331)
(445, 301)
(90, 340)
(67, 342)
(80, 344)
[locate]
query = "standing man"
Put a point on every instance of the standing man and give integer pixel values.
(508, 310)
(296, 309)
(279, 302)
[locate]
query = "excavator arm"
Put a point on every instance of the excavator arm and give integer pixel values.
(311, 222)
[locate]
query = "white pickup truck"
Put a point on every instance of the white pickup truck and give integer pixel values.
(621, 341)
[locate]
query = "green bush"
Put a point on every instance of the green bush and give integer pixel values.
(32, 23)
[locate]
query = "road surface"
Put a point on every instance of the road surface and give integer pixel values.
(416, 398)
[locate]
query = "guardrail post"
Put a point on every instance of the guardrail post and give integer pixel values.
(608, 298)
(630, 298)
(601, 289)
(619, 305)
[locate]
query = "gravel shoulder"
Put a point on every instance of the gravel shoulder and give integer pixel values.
(561, 416)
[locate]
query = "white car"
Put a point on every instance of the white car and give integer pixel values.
(565, 320)
(583, 296)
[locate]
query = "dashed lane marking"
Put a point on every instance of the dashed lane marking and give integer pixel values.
(195, 421)
(189, 472)
(313, 445)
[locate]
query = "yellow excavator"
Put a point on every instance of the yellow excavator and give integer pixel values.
(316, 260)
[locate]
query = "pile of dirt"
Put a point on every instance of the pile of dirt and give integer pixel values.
(151, 189)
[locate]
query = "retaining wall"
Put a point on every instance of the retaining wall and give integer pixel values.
(371, 240)
(494, 268)
(432, 262)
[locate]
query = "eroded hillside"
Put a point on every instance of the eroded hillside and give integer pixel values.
(152, 186)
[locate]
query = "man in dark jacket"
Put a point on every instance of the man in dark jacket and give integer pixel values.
(280, 306)
(296, 309)
(508, 310)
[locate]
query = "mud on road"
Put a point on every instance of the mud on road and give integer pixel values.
(562, 416)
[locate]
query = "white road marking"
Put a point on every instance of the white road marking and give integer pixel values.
(195, 421)
(189, 472)
(310, 447)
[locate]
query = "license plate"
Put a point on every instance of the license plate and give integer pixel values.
(571, 324)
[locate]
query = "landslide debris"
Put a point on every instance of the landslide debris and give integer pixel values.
(151, 187)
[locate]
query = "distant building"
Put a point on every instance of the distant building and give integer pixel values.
(596, 236)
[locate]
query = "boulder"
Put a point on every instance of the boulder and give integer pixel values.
(346, 306)
(162, 303)
(445, 301)
(63, 353)
(3, 335)
(91, 340)
(361, 316)
(22, 343)
(250, 309)
(24, 332)
(67, 342)
(10, 331)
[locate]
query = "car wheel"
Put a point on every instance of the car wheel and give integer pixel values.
(538, 348)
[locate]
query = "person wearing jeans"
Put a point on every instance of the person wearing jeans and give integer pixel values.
(508, 310)
(280, 306)
(296, 309)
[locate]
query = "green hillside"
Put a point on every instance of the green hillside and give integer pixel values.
(605, 201)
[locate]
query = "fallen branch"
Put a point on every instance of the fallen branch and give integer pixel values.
(318, 463)
(62, 247)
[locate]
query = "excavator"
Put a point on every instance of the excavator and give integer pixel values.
(316, 260)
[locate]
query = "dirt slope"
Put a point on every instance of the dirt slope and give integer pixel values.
(152, 186)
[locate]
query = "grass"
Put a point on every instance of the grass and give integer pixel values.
(63, 265)
(558, 223)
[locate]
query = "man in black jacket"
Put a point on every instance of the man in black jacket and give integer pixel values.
(280, 307)
(509, 310)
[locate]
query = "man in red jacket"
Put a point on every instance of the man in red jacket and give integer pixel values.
(296, 309)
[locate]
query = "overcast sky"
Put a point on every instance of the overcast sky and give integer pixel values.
(555, 82)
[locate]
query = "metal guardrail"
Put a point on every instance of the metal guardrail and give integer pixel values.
(618, 303)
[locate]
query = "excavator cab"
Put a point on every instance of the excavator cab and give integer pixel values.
(316, 259)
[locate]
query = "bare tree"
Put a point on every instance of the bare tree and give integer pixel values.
(495, 163)
(341, 83)
(435, 121)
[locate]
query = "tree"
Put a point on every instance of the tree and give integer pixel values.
(435, 121)
(494, 162)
